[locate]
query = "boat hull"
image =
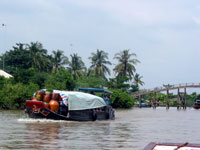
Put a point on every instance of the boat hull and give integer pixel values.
(38, 110)
(196, 106)
(172, 146)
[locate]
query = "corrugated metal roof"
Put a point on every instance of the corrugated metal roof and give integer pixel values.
(5, 74)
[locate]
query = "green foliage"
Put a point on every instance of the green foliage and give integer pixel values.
(126, 65)
(91, 81)
(58, 59)
(3, 82)
(99, 60)
(134, 88)
(13, 96)
(76, 66)
(18, 58)
(33, 68)
(121, 99)
(61, 80)
(119, 83)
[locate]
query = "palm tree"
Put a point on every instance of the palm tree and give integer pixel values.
(126, 65)
(99, 60)
(76, 66)
(37, 53)
(58, 59)
(137, 80)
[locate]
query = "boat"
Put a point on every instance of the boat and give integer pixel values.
(197, 104)
(68, 105)
(138, 104)
(172, 146)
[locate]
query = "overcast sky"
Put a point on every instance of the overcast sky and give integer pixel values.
(165, 34)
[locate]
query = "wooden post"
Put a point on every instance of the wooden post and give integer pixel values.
(154, 103)
(167, 99)
(140, 99)
(185, 100)
(178, 99)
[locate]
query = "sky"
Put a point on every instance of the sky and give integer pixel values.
(163, 33)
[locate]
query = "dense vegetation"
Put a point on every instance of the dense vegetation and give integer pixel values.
(161, 98)
(34, 68)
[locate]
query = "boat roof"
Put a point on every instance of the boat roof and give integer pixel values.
(94, 90)
(82, 101)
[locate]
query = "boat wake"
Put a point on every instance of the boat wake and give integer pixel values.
(27, 120)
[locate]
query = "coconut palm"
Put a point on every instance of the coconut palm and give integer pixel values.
(37, 53)
(58, 60)
(126, 65)
(99, 60)
(76, 66)
(137, 80)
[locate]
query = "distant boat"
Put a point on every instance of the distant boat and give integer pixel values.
(138, 104)
(197, 104)
(172, 146)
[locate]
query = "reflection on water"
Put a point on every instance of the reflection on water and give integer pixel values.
(132, 129)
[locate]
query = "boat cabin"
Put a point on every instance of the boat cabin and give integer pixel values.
(106, 94)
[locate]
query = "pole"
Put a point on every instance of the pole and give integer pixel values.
(179, 103)
(167, 100)
(4, 44)
(185, 100)
(154, 100)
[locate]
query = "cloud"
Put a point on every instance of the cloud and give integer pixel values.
(196, 20)
(143, 12)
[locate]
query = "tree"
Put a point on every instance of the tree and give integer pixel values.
(137, 80)
(38, 55)
(118, 83)
(58, 60)
(16, 58)
(90, 81)
(61, 80)
(121, 99)
(99, 60)
(126, 65)
(76, 66)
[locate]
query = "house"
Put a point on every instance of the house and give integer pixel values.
(5, 74)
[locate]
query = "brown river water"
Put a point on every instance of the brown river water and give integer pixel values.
(132, 129)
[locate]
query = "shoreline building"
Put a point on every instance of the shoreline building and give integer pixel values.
(5, 74)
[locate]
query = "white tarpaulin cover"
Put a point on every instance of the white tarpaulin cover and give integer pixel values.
(81, 101)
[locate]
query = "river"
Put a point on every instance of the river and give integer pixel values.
(132, 129)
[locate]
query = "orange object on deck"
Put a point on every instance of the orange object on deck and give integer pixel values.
(47, 97)
(39, 95)
(34, 99)
(54, 105)
(56, 96)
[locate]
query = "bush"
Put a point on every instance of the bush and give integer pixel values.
(61, 80)
(121, 99)
(14, 96)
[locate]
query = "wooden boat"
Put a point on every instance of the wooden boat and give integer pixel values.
(138, 104)
(172, 146)
(75, 106)
(197, 104)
